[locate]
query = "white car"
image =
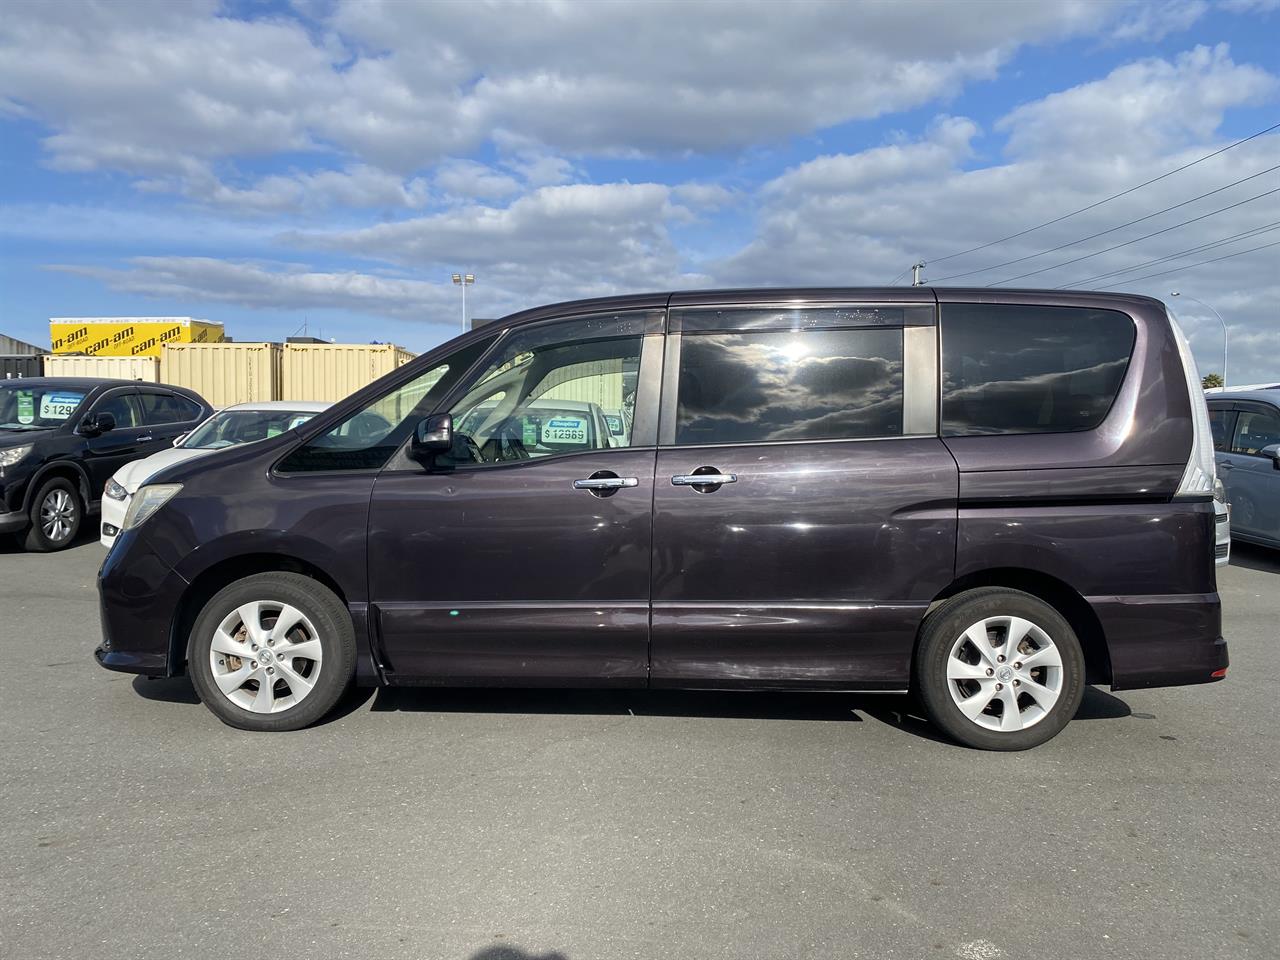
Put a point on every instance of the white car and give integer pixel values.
(1222, 525)
(229, 427)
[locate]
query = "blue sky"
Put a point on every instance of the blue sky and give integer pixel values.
(266, 164)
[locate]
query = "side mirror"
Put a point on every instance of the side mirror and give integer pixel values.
(1272, 451)
(432, 436)
(96, 423)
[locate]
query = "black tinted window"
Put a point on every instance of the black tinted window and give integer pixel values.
(122, 406)
(797, 385)
(1009, 368)
(160, 408)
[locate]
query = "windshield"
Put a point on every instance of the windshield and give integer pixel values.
(37, 407)
(232, 427)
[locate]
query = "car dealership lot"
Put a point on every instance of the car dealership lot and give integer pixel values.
(596, 824)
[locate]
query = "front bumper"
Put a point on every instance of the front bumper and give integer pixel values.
(112, 519)
(139, 595)
(14, 522)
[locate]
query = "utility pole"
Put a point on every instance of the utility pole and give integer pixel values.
(915, 273)
(464, 280)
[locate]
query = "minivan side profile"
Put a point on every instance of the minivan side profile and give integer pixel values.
(987, 498)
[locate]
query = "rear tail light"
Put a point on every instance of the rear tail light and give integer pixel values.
(1198, 478)
(1219, 674)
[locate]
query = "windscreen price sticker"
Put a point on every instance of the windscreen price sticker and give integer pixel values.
(58, 406)
(564, 430)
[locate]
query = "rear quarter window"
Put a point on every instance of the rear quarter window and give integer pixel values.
(1019, 369)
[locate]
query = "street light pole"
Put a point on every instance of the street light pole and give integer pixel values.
(1176, 293)
(464, 280)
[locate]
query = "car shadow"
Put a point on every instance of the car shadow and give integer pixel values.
(505, 952)
(1252, 557)
(894, 710)
(11, 543)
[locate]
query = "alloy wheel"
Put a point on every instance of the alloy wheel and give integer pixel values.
(1004, 673)
(266, 656)
(57, 515)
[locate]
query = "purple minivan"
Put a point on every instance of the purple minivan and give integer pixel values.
(987, 498)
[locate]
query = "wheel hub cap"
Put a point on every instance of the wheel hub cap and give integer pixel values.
(1004, 674)
(261, 679)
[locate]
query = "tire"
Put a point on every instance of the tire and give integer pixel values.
(56, 513)
(229, 671)
(966, 682)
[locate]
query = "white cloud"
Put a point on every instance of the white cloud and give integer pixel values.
(162, 90)
(1155, 21)
(1171, 102)
(472, 180)
(272, 286)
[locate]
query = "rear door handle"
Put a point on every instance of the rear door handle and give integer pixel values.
(702, 479)
(147, 439)
(605, 483)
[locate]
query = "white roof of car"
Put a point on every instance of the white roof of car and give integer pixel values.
(299, 406)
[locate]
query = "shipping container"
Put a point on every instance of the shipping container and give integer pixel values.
(20, 365)
(12, 346)
(119, 368)
(224, 373)
(128, 336)
(331, 371)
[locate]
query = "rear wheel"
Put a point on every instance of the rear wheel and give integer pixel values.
(999, 669)
(273, 651)
(56, 513)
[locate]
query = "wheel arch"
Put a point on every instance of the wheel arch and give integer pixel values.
(1058, 594)
(67, 470)
(222, 574)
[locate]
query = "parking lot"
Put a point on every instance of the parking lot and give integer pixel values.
(586, 825)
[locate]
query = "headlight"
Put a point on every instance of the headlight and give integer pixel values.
(147, 501)
(114, 490)
(14, 455)
(1219, 491)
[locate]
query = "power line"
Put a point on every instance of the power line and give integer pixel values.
(1189, 266)
(1156, 233)
(1103, 233)
(1115, 196)
(1256, 231)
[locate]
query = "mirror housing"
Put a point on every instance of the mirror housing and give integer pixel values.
(433, 435)
(97, 423)
(1272, 451)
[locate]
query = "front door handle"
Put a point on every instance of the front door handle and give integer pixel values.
(147, 439)
(703, 479)
(605, 483)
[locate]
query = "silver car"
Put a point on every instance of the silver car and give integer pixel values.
(1246, 441)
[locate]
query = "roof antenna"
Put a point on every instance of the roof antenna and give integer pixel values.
(915, 273)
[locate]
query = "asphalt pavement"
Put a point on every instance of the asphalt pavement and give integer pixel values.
(514, 825)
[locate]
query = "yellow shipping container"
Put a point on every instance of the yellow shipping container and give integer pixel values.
(331, 371)
(128, 336)
(121, 368)
(224, 373)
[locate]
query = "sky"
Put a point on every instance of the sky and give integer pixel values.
(331, 164)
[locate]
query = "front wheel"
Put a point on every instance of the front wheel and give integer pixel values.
(273, 651)
(999, 669)
(56, 512)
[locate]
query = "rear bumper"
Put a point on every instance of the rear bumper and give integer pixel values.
(138, 598)
(1163, 640)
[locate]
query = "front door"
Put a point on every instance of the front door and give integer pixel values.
(1251, 479)
(804, 507)
(522, 556)
(129, 440)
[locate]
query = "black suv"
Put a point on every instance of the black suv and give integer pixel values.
(61, 439)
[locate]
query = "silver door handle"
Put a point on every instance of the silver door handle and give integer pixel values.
(146, 439)
(605, 483)
(700, 479)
